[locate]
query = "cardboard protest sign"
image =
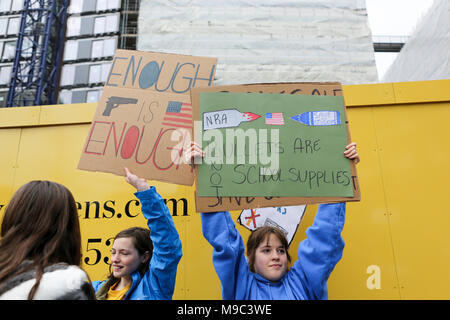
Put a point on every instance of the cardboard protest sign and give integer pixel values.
(144, 118)
(287, 219)
(296, 152)
(238, 202)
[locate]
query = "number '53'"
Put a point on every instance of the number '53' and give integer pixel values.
(94, 249)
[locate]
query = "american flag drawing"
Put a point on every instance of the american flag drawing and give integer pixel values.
(178, 114)
(274, 118)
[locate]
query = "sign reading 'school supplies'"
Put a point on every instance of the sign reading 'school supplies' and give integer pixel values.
(144, 118)
(279, 149)
(291, 145)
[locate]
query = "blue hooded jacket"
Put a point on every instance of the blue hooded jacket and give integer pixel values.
(158, 282)
(306, 279)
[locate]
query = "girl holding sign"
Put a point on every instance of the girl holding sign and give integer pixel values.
(265, 274)
(144, 262)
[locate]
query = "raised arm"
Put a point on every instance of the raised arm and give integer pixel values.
(166, 241)
(228, 253)
(228, 248)
(319, 253)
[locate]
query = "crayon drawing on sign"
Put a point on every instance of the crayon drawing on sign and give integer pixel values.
(252, 218)
(319, 118)
(275, 118)
(178, 115)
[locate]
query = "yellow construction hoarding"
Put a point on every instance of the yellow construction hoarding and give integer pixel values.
(397, 244)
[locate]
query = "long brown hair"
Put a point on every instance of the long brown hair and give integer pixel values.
(259, 235)
(142, 243)
(40, 224)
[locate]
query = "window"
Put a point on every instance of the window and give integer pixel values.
(102, 5)
(84, 49)
(109, 47)
(103, 48)
(113, 4)
(105, 71)
(70, 50)
(9, 50)
(92, 96)
(111, 23)
(73, 26)
(17, 5)
(75, 6)
(14, 25)
(81, 74)
(3, 26)
(97, 49)
(65, 97)
(78, 96)
(95, 73)
(5, 74)
(89, 6)
(87, 26)
(5, 5)
(67, 75)
(100, 25)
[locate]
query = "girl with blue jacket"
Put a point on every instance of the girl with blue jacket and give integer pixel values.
(265, 274)
(143, 262)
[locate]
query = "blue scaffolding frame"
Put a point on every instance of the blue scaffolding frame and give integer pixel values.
(40, 44)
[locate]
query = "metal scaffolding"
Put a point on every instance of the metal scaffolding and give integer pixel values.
(39, 49)
(128, 25)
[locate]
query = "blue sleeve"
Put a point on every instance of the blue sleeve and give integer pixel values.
(96, 285)
(166, 244)
(319, 253)
(228, 253)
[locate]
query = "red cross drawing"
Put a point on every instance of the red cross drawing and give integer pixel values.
(253, 216)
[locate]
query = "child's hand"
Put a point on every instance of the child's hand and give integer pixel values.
(194, 154)
(351, 153)
(139, 183)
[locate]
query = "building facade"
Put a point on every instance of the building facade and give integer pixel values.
(258, 41)
(94, 30)
(266, 40)
(10, 12)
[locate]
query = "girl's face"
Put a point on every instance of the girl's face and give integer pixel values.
(125, 259)
(271, 258)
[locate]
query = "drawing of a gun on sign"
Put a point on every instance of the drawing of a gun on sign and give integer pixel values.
(142, 124)
(114, 101)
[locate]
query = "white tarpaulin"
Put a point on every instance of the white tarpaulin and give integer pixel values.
(265, 40)
(426, 55)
